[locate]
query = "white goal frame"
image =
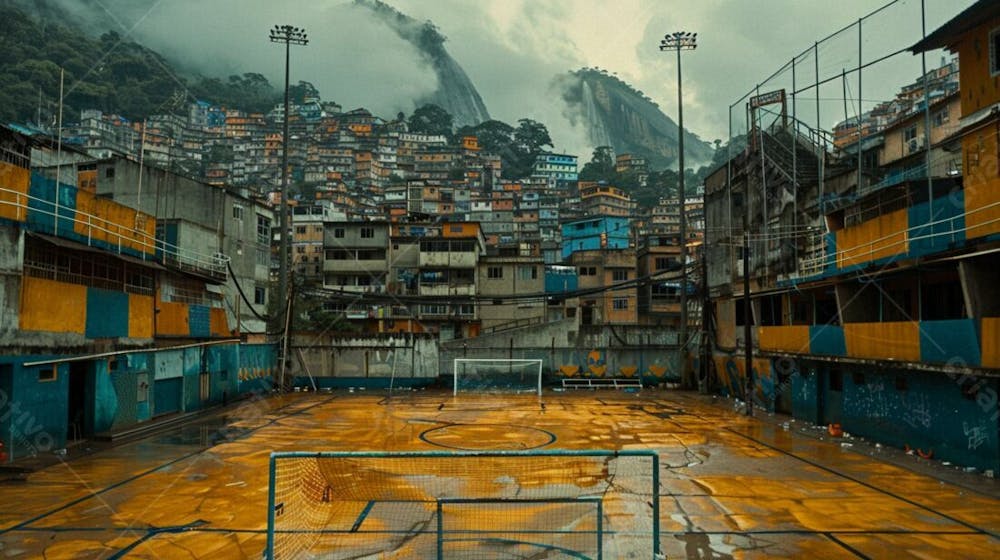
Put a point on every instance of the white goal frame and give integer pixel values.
(457, 361)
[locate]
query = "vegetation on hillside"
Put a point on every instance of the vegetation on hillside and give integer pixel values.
(110, 73)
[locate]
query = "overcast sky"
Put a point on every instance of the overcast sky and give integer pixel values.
(512, 49)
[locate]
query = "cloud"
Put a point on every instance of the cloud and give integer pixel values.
(513, 49)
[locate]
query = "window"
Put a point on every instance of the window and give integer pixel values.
(238, 211)
(50, 373)
(619, 275)
(259, 296)
(263, 230)
(300, 229)
(620, 303)
(494, 272)
(367, 233)
(109, 173)
(941, 117)
(528, 273)
(338, 233)
(588, 271)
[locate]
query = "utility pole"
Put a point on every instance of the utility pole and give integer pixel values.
(679, 41)
(289, 36)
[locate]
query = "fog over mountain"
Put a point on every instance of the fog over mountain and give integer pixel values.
(502, 58)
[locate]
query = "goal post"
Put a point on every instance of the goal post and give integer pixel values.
(463, 504)
(500, 374)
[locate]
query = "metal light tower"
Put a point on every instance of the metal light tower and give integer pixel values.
(289, 36)
(679, 41)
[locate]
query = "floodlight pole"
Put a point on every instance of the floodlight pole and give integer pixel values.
(288, 35)
(677, 42)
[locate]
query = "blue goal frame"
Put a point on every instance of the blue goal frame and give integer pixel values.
(648, 453)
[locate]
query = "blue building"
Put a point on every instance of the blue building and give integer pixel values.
(560, 167)
(596, 232)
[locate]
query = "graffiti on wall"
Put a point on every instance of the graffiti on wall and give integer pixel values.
(597, 363)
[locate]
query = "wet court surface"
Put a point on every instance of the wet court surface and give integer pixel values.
(730, 486)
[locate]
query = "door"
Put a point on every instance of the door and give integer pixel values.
(167, 395)
(79, 416)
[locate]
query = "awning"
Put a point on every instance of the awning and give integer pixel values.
(75, 246)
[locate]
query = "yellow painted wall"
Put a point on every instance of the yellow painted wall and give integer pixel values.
(981, 183)
(14, 183)
(140, 316)
(979, 90)
(87, 180)
(105, 220)
(50, 306)
(468, 229)
(218, 323)
(172, 319)
(883, 341)
(991, 342)
(784, 338)
(881, 237)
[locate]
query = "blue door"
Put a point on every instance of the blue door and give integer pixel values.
(167, 395)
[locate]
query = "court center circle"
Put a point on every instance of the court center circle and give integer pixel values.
(479, 437)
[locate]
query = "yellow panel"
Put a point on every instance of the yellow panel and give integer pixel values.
(991, 342)
(87, 180)
(50, 306)
(883, 341)
(218, 323)
(882, 237)
(784, 339)
(140, 316)
(172, 319)
(725, 319)
(982, 186)
(14, 183)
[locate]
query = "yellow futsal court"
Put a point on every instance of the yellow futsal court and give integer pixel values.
(730, 486)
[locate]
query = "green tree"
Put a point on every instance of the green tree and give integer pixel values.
(430, 119)
(300, 91)
(601, 166)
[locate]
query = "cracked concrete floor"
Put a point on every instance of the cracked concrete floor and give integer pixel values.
(730, 486)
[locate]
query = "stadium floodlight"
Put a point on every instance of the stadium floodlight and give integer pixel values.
(679, 41)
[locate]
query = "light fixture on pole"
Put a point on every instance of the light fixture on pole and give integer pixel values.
(289, 36)
(680, 41)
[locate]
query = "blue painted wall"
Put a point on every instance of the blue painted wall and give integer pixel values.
(42, 206)
(35, 410)
(927, 411)
(949, 215)
(107, 314)
(38, 410)
(954, 342)
(198, 319)
(827, 340)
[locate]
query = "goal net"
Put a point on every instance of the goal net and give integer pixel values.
(490, 504)
(473, 374)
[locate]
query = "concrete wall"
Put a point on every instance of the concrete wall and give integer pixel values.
(120, 392)
(342, 361)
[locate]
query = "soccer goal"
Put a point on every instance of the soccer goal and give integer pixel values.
(488, 504)
(474, 374)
